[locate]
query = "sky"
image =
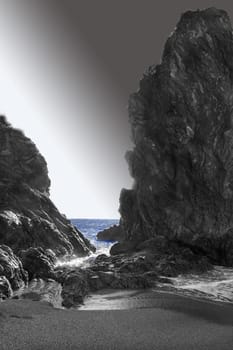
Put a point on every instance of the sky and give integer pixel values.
(67, 68)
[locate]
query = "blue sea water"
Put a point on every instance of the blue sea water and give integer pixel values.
(90, 228)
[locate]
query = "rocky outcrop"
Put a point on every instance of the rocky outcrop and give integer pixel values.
(78, 283)
(5, 288)
(12, 274)
(28, 218)
(39, 263)
(182, 129)
(74, 288)
(113, 233)
(155, 263)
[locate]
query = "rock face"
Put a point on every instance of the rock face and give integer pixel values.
(139, 270)
(112, 273)
(74, 288)
(5, 288)
(39, 263)
(113, 233)
(182, 128)
(11, 271)
(28, 218)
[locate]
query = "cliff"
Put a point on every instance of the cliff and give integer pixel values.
(28, 218)
(182, 128)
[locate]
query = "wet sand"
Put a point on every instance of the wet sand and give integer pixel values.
(165, 322)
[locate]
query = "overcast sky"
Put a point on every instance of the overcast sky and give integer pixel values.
(66, 69)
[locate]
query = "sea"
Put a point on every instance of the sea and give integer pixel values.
(215, 285)
(90, 228)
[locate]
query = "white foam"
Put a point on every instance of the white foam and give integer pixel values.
(87, 260)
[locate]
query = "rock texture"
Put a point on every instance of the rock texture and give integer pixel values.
(12, 274)
(182, 128)
(39, 263)
(105, 273)
(74, 288)
(113, 233)
(5, 288)
(139, 270)
(28, 218)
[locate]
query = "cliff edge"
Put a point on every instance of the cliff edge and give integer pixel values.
(182, 128)
(28, 218)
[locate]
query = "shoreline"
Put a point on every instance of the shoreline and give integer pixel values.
(116, 299)
(128, 299)
(173, 322)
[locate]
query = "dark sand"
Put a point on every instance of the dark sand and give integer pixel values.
(171, 323)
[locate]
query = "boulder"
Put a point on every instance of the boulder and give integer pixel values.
(131, 281)
(74, 288)
(5, 288)
(113, 233)
(112, 273)
(38, 262)
(12, 269)
(182, 128)
(101, 258)
(28, 218)
(119, 280)
(124, 246)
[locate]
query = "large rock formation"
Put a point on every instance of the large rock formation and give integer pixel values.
(28, 218)
(182, 128)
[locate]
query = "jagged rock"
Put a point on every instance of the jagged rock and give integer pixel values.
(113, 233)
(160, 256)
(78, 284)
(111, 273)
(123, 247)
(74, 288)
(11, 268)
(182, 128)
(101, 258)
(115, 280)
(136, 265)
(5, 288)
(138, 270)
(95, 283)
(39, 263)
(28, 218)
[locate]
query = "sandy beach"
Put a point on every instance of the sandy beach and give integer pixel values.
(173, 322)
